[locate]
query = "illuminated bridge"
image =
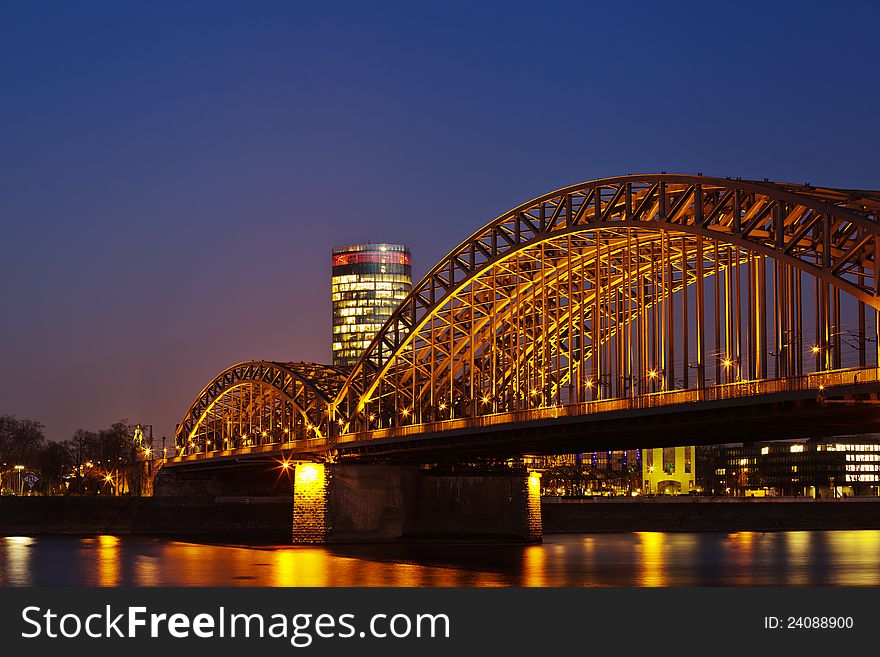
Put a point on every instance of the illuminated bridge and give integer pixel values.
(614, 296)
(625, 312)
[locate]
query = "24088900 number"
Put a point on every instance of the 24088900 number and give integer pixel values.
(809, 622)
(820, 622)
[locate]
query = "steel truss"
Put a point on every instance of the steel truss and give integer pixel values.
(609, 289)
(261, 402)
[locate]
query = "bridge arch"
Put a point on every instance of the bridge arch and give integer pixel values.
(257, 402)
(578, 294)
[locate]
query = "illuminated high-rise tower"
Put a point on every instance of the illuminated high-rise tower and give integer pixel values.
(369, 282)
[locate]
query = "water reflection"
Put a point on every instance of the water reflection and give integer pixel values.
(797, 554)
(15, 566)
(651, 559)
(147, 570)
(850, 558)
(535, 566)
(862, 549)
(740, 558)
(108, 561)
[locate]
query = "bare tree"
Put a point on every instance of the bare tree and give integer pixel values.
(80, 449)
(21, 440)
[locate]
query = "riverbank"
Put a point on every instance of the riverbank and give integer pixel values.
(686, 514)
(268, 519)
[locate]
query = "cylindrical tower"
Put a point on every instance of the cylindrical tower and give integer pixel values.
(368, 283)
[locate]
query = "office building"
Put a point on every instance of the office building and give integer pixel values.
(368, 283)
(840, 467)
(669, 470)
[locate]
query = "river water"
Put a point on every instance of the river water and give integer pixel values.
(793, 558)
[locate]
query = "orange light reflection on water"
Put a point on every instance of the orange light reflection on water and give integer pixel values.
(861, 550)
(534, 566)
(740, 555)
(651, 559)
(822, 558)
(108, 561)
(797, 557)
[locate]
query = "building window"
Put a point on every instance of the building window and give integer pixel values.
(669, 460)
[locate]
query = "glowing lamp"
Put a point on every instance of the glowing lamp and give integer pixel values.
(308, 473)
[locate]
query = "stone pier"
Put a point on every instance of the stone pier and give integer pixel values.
(374, 503)
(343, 503)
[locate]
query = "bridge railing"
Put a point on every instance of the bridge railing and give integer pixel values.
(817, 381)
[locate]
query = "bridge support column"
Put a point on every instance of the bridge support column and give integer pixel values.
(536, 522)
(310, 495)
(343, 503)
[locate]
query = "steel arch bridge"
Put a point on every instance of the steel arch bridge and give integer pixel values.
(261, 402)
(619, 292)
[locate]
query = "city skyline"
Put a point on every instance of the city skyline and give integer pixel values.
(156, 173)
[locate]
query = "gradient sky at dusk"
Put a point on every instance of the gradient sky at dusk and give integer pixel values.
(173, 175)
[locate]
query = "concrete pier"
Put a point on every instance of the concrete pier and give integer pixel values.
(372, 503)
(384, 503)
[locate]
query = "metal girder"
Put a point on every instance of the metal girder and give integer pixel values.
(258, 388)
(609, 289)
(768, 220)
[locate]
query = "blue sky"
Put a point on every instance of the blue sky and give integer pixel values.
(173, 175)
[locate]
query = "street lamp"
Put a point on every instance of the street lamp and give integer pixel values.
(19, 469)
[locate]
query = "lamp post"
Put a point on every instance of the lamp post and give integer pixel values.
(18, 470)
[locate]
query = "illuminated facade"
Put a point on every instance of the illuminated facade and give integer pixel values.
(369, 282)
(589, 474)
(848, 466)
(669, 470)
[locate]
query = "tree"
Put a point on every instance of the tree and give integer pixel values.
(21, 441)
(89, 456)
(114, 444)
(80, 449)
(54, 463)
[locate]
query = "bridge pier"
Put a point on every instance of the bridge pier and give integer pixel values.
(373, 503)
(354, 503)
(310, 502)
